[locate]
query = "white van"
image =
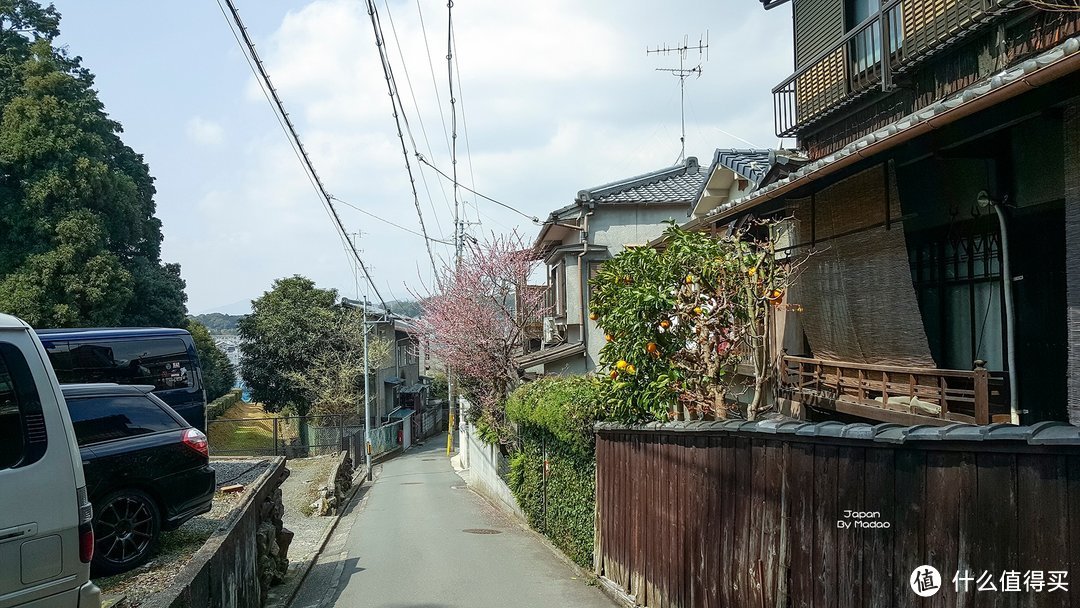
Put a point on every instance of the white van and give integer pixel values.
(46, 540)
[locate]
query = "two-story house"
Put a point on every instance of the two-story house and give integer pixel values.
(940, 210)
(577, 238)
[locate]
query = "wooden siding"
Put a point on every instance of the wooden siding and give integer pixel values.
(689, 518)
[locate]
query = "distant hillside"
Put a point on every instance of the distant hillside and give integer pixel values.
(218, 322)
(408, 308)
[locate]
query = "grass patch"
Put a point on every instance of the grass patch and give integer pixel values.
(244, 429)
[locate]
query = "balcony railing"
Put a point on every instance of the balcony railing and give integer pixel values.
(888, 43)
(891, 393)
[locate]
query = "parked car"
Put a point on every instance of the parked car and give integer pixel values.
(46, 540)
(162, 357)
(147, 469)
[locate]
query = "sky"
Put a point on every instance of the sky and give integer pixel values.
(551, 97)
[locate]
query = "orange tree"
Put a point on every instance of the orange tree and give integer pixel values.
(679, 322)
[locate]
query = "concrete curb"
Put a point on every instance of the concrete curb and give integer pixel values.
(305, 568)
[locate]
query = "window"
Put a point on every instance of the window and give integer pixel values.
(162, 362)
(23, 436)
(98, 419)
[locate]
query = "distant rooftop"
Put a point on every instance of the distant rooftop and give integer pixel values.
(677, 184)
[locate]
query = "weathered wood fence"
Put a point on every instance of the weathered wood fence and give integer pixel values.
(754, 515)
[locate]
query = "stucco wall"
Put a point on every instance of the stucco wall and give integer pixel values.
(486, 468)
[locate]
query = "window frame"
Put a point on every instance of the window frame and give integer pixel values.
(31, 422)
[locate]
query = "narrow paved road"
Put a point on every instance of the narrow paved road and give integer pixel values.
(413, 543)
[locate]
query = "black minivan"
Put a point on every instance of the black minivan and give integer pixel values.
(160, 356)
(147, 470)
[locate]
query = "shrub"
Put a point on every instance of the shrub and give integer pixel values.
(554, 418)
(217, 408)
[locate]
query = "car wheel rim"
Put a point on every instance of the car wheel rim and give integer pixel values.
(125, 528)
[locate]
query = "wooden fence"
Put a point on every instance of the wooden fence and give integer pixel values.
(722, 514)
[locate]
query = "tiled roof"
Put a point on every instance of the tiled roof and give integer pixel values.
(751, 164)
(1040, 433)
(916, 119)
(678, 184)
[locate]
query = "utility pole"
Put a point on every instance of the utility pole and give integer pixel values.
(682, 72)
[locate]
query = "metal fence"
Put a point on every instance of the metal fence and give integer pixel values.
(288, 436)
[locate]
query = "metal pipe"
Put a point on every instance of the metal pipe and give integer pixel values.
(367, 397)
(1010, 318)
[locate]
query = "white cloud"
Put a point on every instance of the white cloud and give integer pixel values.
(206, 132)
(558, 97)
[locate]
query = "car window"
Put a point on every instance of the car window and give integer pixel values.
(23, 435)
(98, 419)
(161, 362)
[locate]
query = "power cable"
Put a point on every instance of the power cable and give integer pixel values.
(395, 103)
(386, 221)
(419, 114)
(532, 218)
(256, 63)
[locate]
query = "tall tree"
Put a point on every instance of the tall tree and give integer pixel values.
(281, 337)
(219, 375)
(79, 243)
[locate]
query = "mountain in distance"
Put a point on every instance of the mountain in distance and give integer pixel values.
(218, 322)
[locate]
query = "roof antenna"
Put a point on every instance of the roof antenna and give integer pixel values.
(682, 73)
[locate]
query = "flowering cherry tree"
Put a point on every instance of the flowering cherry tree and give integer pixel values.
(476, 321)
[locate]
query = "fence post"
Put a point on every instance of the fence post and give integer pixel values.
(276, 435)
(982, 393)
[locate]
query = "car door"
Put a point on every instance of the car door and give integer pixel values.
(39, 518)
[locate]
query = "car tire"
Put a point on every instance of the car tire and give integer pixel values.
(127, 525)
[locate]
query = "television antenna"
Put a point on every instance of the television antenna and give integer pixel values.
(682, 73)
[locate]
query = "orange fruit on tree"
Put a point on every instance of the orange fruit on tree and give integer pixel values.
(651, 347)
(614, 374)
(594, 316)
(608, 337)
(665, 324)
(697, 310)
(630, 369)
(621, 364)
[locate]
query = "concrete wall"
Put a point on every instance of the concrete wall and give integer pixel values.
(486, 466)
(239, 562)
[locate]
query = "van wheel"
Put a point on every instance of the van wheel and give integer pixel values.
(126, 530)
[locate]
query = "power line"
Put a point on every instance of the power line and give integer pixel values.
(395, 103)
(386, 221)
(453, 127)
(260, 69)
(419, 114)
(532, 218)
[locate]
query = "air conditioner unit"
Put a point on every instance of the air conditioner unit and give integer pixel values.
(551, 330)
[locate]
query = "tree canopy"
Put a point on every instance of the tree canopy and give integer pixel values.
(79, 242)
(303, 352)
(219, 375)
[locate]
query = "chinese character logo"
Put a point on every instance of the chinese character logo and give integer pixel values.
(925, 581)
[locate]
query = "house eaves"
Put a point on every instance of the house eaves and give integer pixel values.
(1045, 68)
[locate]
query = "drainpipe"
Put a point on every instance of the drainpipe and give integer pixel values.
(583, 280)
(984, 201)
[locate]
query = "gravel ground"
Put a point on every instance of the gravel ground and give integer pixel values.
(240, 472)
(301, 489)
(176, 548)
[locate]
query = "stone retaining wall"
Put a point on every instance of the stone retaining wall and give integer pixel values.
(243, 558)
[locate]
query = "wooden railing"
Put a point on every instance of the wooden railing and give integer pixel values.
(867, 57)
(891, 393)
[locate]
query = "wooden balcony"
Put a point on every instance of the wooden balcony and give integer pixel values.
(868, 57)
(908, 395)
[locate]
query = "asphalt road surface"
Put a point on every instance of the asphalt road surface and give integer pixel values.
(419, 538)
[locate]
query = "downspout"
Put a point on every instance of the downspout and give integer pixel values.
(1010, 312)
(583, 279)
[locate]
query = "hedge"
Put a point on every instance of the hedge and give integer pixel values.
(219, 406)
(555, 417)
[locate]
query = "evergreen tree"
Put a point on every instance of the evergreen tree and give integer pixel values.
(79, 243)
